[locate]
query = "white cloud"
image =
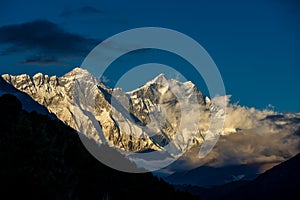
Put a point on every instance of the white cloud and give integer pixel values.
(253, 136)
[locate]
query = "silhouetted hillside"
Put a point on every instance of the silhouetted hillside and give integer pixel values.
(280, 182)
(45, 159)
(207, 176)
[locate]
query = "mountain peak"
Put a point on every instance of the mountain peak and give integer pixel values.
(161, 78)
(38, 75)
(78, 72)
(161, 75)
(6, 77)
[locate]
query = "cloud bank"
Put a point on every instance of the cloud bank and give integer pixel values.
(250, 136)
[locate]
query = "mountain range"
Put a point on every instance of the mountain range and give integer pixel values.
(148, 119)
(121, 120)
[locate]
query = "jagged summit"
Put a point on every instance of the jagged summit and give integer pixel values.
(78, 71)
(161, 78)
(38, 75)
(166, 84)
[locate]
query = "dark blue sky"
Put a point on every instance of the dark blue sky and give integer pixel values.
(255, 44)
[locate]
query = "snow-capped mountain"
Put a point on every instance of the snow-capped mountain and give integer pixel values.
(146, 118)
(162, 115)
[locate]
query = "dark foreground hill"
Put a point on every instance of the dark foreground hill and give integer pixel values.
(278, 183)
(42, 158)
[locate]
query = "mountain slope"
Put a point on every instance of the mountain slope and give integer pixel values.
(57, 95)
(280, 182)
(28, 103)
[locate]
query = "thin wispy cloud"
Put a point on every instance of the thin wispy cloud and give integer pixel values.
(42, 60)
(85, 10)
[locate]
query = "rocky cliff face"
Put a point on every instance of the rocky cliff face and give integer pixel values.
(146, 118)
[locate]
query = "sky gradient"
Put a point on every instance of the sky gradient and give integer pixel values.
(255, 44)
